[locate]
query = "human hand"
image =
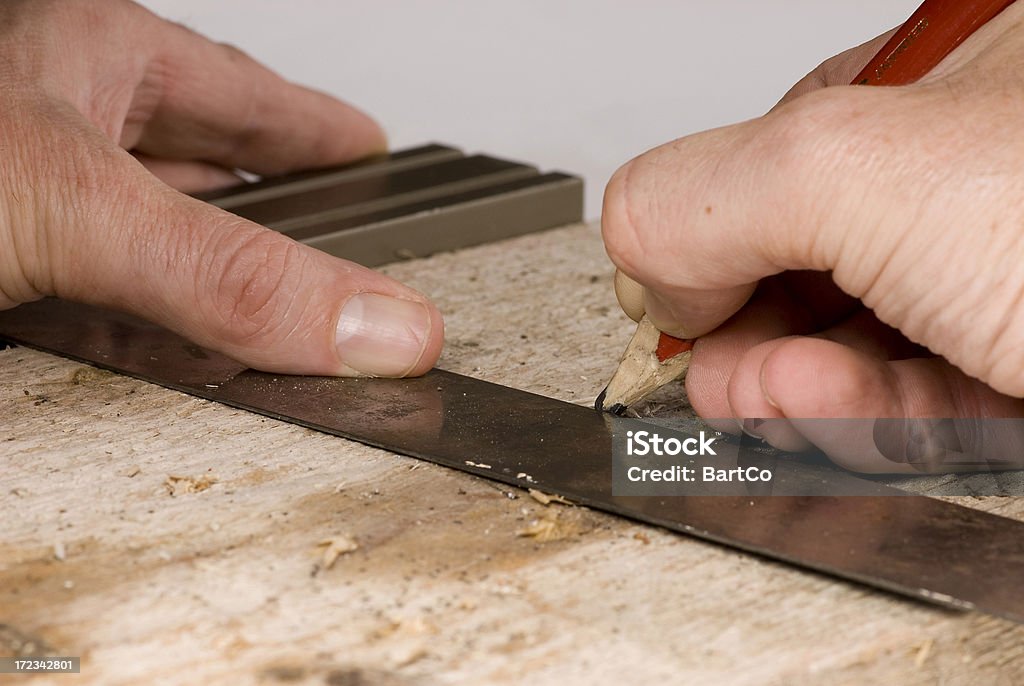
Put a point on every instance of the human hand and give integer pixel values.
(82, 218)
(854, 254)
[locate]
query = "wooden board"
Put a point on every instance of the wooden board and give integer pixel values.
(190, 536)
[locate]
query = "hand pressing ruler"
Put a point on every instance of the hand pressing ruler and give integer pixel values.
(920, 547)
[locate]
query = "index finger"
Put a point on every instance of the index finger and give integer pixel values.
(837, 70)
(212, 102)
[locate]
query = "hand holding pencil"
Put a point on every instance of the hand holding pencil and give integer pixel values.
(856, 252)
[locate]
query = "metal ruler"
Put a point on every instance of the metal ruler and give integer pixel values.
(920, 547)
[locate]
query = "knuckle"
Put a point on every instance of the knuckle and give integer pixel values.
(816, 155)
(815, 135)
(61, 57)
(994, 347)
(93, 18)
(250, 283)
(234, 53)
(802, 137)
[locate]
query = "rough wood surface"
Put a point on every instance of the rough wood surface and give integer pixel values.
(171, 540)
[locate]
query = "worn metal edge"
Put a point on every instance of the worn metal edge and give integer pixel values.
(515, 209)
(434, 204)
(278, 186)
(348, 199)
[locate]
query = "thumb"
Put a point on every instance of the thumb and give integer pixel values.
(699, 221)
(122, 239)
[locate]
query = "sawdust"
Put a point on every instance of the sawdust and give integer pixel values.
(406, 626)
(923, 651)
(335, 547)
(87, 375)
(408, 638)
(15, 643)
(668, 402)
(554, 525)
(181, 485)
(129, 472)
(303, 670)
(642, 537)
(405, 656)
(547, 498)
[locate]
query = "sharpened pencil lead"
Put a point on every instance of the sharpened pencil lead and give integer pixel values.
(649, 362)
(618, 409)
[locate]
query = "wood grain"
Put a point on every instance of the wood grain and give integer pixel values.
(160, 583)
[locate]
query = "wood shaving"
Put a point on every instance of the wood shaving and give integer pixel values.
(642, 537)
(59, 552)
(406, 655)
(922, 653)
(415, 626)
(335, 548)
(129, 472)
(478, 464)
(551, 527)
(408, 639)
(87, 375)
(180, 485)
(18, 644)
(547, 498)
(527, 477)
(541, 529)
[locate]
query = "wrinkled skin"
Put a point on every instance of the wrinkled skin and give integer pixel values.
(855, 253)
(107, 113)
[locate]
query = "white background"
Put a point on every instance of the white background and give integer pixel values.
(578, 85)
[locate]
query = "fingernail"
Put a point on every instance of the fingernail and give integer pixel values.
(382, 336)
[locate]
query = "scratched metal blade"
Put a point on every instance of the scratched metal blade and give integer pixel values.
(920, 547)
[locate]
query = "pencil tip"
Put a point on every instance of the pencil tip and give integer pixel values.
(618, 409)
